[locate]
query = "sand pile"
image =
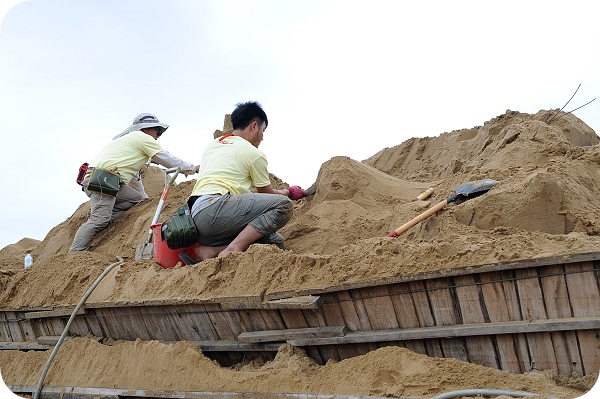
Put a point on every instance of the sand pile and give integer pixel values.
(547, 202)
(389, 371)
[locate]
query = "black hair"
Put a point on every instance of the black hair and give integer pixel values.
(246, 113)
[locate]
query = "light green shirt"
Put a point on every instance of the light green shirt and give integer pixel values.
(231, 164)
(127, 154)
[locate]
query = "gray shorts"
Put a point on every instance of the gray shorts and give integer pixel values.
(219, 223)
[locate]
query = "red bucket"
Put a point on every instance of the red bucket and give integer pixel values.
(165, 256)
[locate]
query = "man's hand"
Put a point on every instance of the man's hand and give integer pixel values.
(295, 193)
(190, 172)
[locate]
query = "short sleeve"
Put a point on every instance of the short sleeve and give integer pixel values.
(259, 173)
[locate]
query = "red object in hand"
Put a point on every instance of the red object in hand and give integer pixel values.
(295, 192)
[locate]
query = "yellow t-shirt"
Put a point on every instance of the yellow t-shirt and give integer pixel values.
(127, 153)
(231, 164)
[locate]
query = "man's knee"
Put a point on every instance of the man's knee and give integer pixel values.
(286, 208)
(98, 221)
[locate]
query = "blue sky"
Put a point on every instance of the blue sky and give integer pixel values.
(336, 78)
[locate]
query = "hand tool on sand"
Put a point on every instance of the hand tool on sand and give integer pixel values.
(146, 250)
(461, 193)
(311, 190)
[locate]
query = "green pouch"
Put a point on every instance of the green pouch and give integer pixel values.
(105, 182)
(179, 231)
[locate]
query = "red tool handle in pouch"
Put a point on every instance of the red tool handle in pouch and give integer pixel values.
(82, 171)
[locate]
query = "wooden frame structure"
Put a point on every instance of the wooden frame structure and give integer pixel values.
(541, 313)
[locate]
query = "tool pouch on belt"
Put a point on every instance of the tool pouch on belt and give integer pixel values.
(179, 230)
(105, 182)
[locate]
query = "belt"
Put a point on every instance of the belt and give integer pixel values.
(193, 198)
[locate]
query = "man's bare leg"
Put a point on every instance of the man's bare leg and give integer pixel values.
(204, 252)
(242, 241)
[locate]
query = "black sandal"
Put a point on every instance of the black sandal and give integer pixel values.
(185, 258)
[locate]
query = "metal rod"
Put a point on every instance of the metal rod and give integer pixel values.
(565, 104)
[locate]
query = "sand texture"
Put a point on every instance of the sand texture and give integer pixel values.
(547, 203)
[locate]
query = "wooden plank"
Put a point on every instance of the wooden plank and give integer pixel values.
(541, 347)
(254, 321)
(360, 318)
(193, 322)
(294, 318)
(480, 349)
(501, 304)
(94, 324)
(38, 327)
(406, 314)
(232, 303)
(170, 322)
(222, 329)
(307, 301)
(50, 392)
(296, 333)
(557, 302)
(112, 324)
(180, 321)
(50, 340)
(445, 313)
(423, 311)
(53, 340)
(23, 346)
(511, 327)
(334, 316)
(56, 325)
(221, 326)
(584, 293)
(348, 310)
(236, 346)
(236, 322)
(272, 319)
(14, 328)
(124, 324)
(298, 302)
(317, 319)
(138, 322)
(361, 310)
(79, 327)
(27, 330)
(380, 308)
(5, 335)
(67, 311)
(45, 327)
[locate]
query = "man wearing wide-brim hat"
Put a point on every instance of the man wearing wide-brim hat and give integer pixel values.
(125, 154)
